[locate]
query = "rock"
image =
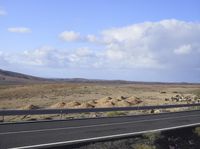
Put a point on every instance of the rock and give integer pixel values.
(155, 111)
(171, 147)
(58, 105)
(29, 107)
(93, 115)
(105, 104)
(188, 98)
(196, 97)
(191, 142)
(86, 105)
(121, 97)
(104, 100)
(166, 99)
(179, 96)
(72, 104)
(134, 100)
(123, 103)
(92, 102)
(175, 99)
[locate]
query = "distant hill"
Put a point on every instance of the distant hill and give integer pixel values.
(9, 77)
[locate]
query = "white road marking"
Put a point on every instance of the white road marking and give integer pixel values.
(103, 137)
(98, 125)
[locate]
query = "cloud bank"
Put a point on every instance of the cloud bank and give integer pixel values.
(70, 36)
(19, 29)
(153, 44)
(166, 45)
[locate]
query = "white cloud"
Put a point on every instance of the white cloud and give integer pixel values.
(2, 58)
(51, 57)
(70, 36)
(44, 56)
(91, 38)
(2, 12)
(83, 57)
(19, 29)
(152, 44)
(168, 45)
(184, 49)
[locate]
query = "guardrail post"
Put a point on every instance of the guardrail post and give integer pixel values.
(61, 114)
(2, 118)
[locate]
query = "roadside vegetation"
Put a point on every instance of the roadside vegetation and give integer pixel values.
(144, 146)
(185, 138)
(197, 131)
(115, 113)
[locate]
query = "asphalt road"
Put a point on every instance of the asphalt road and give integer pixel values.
(57, 133)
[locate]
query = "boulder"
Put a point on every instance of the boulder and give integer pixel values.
(85, 105)
(155, 111)
(29, 107)
(58, 105)
(166, 99)
(72, 104)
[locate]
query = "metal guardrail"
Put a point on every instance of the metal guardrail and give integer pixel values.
(88, 110)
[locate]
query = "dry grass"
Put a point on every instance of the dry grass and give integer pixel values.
(89, 95)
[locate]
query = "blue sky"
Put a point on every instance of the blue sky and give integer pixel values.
(142, 40)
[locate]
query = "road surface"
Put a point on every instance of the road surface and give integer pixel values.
(58, 133)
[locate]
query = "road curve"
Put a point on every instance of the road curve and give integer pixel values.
(56, 133)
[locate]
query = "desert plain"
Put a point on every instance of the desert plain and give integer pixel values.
(95, 95)
(84, 95)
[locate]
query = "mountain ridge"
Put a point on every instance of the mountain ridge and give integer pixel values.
(10, 77)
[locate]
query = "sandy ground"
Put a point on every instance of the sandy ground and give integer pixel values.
(90, 95)
(47, 95)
